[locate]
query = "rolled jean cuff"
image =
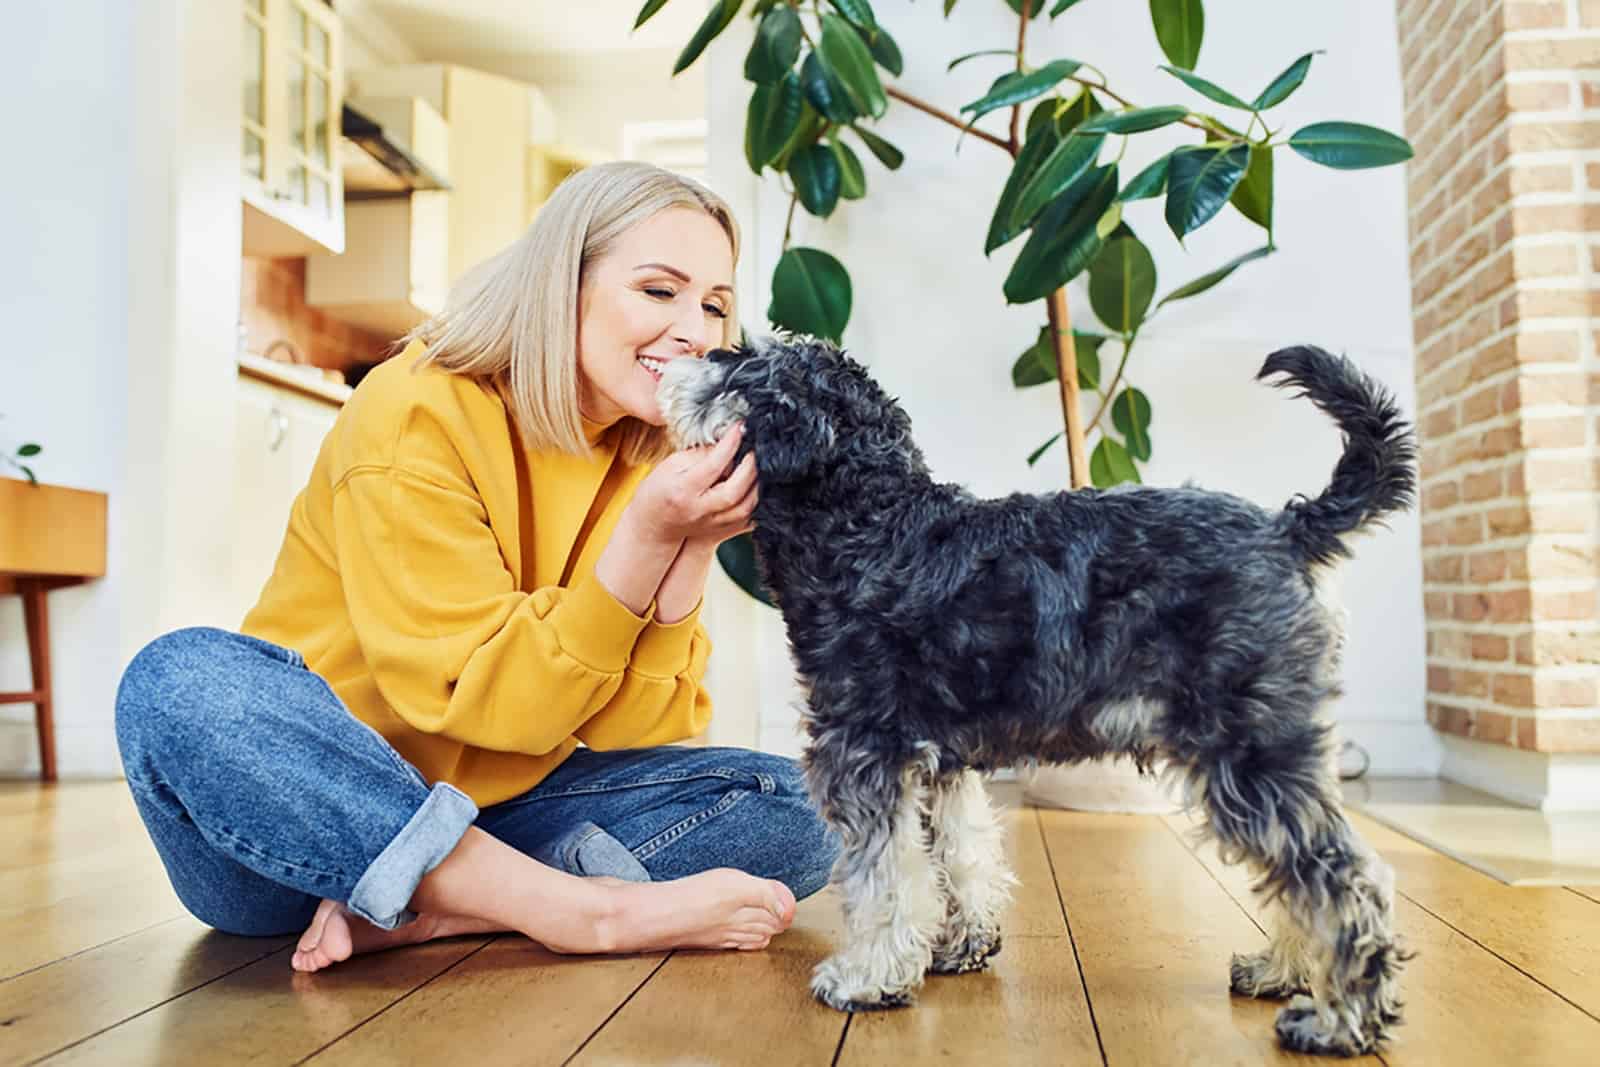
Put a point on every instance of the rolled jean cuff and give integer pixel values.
(383, 892)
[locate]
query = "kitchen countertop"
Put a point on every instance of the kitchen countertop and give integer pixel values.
(299, 377)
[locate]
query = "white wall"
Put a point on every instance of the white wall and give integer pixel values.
(120, 291)
(930, 319)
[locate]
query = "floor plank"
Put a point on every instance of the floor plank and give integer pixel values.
(1464, 1006)
(527, 1005)
(266, 1012)
(57, 1005)
(1154, 935)
(94, 916)
(727, 1007)
(1552, 935)
(1586, 892)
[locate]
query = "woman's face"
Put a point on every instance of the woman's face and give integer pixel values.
(661, 293)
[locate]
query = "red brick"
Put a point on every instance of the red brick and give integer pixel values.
(1510, 605)
(1492, 727)
(1551, 692)
(1539, 96)
(1555, 431)
(1514, 690)
(1490, 647)
(1570, 605)
(1487, 566)
(1577, 735)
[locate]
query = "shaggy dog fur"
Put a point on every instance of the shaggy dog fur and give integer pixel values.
(940, 635)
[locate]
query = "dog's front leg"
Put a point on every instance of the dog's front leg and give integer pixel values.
(968, 849)
(892, 905)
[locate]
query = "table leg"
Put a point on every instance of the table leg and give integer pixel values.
(36, 616)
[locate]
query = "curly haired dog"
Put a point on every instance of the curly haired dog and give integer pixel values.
(940, 635)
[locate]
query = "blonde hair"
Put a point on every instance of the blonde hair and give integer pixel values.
(512, 321)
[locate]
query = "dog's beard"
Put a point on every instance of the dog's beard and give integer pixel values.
(697, 409)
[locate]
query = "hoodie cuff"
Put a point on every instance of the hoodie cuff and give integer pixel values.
(596, 628)
(664, 649)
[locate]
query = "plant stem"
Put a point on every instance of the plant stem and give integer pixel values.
(1067, 375)
(1016, 109)
(794, 198)
(1105, 399)
(945, 116)
(1201, 124)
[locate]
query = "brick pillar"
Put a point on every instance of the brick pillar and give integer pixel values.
(1503, 108)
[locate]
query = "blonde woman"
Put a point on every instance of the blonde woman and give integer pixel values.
(451, 709)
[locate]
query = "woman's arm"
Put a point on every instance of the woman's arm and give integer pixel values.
(685, 582)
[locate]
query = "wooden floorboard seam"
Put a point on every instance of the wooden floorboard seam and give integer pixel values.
(623, 1003)
(1077, 960)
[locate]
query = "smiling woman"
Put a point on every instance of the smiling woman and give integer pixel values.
(452, 707)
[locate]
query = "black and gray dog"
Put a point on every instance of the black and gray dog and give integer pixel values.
(940, 635)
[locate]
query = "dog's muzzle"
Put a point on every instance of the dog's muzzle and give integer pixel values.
(697, 406)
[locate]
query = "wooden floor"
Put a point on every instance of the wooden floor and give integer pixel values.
(1116, 951)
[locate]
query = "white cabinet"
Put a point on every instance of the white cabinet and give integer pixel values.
(279, 431)
(293, 98)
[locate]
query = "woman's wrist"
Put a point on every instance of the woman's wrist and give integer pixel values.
(685, 582)
(634, 563)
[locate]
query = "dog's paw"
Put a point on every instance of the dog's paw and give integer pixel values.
(971, 953)
(1301, 1028)
(834, 985)
(1256, 976)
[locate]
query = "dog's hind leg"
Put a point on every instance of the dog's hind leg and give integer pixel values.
(893, 908)
(967, 842)
(1283, 968)
(1279, 812)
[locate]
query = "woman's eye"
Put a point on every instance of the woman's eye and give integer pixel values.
(660, 294)
(714, 310)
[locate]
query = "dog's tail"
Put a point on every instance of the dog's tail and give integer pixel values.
(1376, 475)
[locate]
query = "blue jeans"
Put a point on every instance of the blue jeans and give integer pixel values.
(264, 794)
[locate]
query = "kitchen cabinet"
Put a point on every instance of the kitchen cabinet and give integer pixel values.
(293, 93)
(394, 272)
(282, 418)
(548, 167)
(488, 123)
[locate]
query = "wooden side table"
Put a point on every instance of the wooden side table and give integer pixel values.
(50, 536)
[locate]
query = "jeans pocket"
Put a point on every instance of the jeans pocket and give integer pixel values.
(589, 852)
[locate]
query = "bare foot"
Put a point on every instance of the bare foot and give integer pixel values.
(723, 908)
(335, 935)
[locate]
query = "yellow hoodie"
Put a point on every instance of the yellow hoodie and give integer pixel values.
(458, 614)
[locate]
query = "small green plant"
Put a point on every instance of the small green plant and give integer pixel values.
(14, 459)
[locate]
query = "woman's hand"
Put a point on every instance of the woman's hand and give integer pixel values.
(686, 498)
(683, 508)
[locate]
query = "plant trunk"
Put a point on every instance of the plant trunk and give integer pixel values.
(1067, 376)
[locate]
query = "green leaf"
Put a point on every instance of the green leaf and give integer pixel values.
(810, 127)
(851, 62)
(1349, 145)
(1033, 457)
(1199, 182)
(1041, 142)
(1210, 90)
(857, 11)
(1122, 282)
(1283, 84)
(852, 178)
(1087, 348)
(738, 558)
(887, 154)
(27, 470)
(772, 119)
(1061, 5)
(1130, 414)
(949, 6)
(1065, 238)
(817, 179)
(1135, 119)
(1253, 197)
(825, 91)
(954, 63)
(1037, 364)
(715, 22)
(1038, 7)
(1015, 87)
(1210, 278)
(29, 449)
(1148, 182)
(649, 9)
(884, 50)
(776, 47)
(1180, 24)
(810, 294)
(1110, 464)
(1069, 160)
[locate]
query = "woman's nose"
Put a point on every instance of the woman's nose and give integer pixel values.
(690, 330)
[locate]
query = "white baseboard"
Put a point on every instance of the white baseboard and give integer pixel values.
(1399, 748)
(1536, 779)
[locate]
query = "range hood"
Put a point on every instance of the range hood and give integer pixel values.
(377, 164)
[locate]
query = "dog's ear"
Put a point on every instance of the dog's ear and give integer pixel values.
(792, 443)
